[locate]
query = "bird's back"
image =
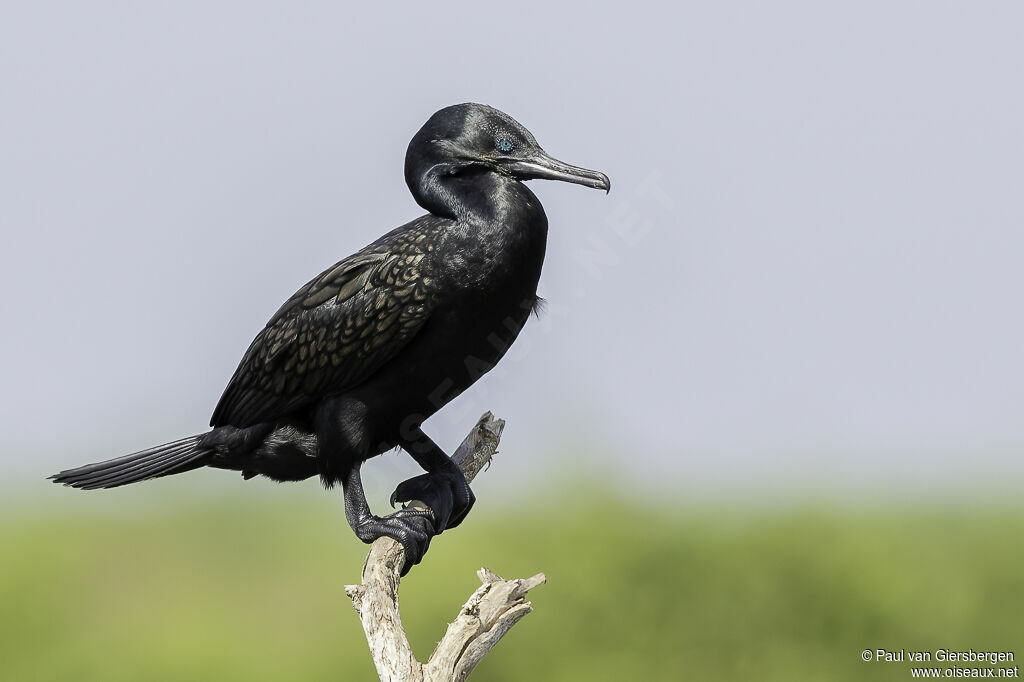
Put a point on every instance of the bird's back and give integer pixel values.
(336, 330)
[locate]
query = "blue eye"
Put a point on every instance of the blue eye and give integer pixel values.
(505, 145)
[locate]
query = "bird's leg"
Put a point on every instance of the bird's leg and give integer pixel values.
(413, 528)
(443, 488)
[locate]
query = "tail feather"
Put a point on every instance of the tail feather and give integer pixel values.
(162, 460)
(146, 468)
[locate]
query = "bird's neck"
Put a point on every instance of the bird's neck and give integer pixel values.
(497, 223)
(479, 197)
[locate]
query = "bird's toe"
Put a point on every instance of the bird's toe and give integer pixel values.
(412, 528)
(447, 494)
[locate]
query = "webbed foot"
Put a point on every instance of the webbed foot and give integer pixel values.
(411, 527)
(446, 492)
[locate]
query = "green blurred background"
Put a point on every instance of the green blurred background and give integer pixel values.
(250, 588)
(770, 417)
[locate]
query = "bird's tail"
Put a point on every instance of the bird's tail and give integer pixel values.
(163, 460)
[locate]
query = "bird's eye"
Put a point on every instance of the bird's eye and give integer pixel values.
(505, 145)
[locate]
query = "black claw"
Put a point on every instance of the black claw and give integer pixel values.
(412, 528)
(446, 493)
(448, 499)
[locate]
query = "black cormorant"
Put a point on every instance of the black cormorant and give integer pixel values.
(352, 364)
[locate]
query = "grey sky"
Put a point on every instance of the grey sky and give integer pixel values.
(809, 266)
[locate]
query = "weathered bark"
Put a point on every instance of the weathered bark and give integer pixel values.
(489, 613)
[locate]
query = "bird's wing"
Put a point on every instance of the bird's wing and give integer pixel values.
(332, 334)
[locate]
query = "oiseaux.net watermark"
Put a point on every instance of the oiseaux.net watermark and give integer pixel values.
(952, 663)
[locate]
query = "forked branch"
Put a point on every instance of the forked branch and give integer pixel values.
(489, 613)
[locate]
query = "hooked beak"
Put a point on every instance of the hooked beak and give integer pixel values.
(540, 166)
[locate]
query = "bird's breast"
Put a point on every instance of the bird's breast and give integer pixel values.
(503, 255)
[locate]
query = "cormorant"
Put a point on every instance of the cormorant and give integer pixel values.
(352, 364)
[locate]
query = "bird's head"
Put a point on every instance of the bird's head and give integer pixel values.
(467, 139)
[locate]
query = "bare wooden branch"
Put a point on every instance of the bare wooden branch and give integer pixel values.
(490, 612)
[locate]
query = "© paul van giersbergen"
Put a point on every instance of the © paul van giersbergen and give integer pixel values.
(353, 363)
